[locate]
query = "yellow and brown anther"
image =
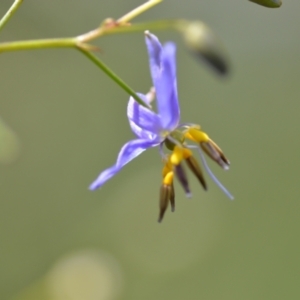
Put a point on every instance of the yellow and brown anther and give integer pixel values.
(193, 165)
(195, 168)
(215, 153)
(196, 135)
(176, 157)
(167, 193)
(208, 146)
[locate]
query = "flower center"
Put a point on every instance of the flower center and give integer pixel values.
(174, 138)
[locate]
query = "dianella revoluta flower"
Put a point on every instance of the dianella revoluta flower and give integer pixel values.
(164, 130)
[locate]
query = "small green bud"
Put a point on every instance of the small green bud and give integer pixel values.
(202, 41)
(268, 3)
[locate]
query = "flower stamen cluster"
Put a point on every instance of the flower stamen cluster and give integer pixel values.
(177, 143)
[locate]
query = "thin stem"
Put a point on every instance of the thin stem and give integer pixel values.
(80, 40)
(38, 44)
(137, 11)
(113, 76)
(154, 25)
(121, 25)
(10, 13)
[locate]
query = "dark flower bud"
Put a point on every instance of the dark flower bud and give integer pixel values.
(268, 3)
(202, 41)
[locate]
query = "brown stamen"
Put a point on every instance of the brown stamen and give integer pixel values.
(195, 168)
(182, 177)
(165, 192)
(215, 153)
(172, 198)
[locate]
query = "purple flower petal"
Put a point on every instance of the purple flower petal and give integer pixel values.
(154, 52)
(168, 104)
(128, 152)
(143, 122)
(163, 71)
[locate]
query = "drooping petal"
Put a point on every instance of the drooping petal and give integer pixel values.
(128, 152)
(163, 71)
(143, 121)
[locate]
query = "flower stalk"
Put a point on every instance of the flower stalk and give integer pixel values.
(10, 13)
(137, 11)
(109, 26)
(38, 44)
(113, 76)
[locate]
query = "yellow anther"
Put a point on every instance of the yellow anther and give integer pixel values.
(188, 136)
(186, 153)
(166, 170)
(168, 167)
(198, 136)
(168, 178)
(176, 156)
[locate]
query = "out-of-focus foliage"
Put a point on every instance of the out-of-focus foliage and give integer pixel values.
(70, 119)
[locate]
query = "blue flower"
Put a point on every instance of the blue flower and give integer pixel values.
(163, 129)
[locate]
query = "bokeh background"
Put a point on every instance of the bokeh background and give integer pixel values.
(63, 121)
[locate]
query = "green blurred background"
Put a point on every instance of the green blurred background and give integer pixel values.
(60, 241)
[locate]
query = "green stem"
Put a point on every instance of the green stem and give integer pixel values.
(178, 24)
(154, 25)
(123, 21)
(113, 76)
(38, 44)
(77, 41)
(10, 13)
(137, 11)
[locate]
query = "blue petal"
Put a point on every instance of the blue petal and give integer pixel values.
(154, 51)
(163, 72)
(168, 104)
(128, 152)
(143, 122)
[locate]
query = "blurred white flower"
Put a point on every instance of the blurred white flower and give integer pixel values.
(84, 275)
